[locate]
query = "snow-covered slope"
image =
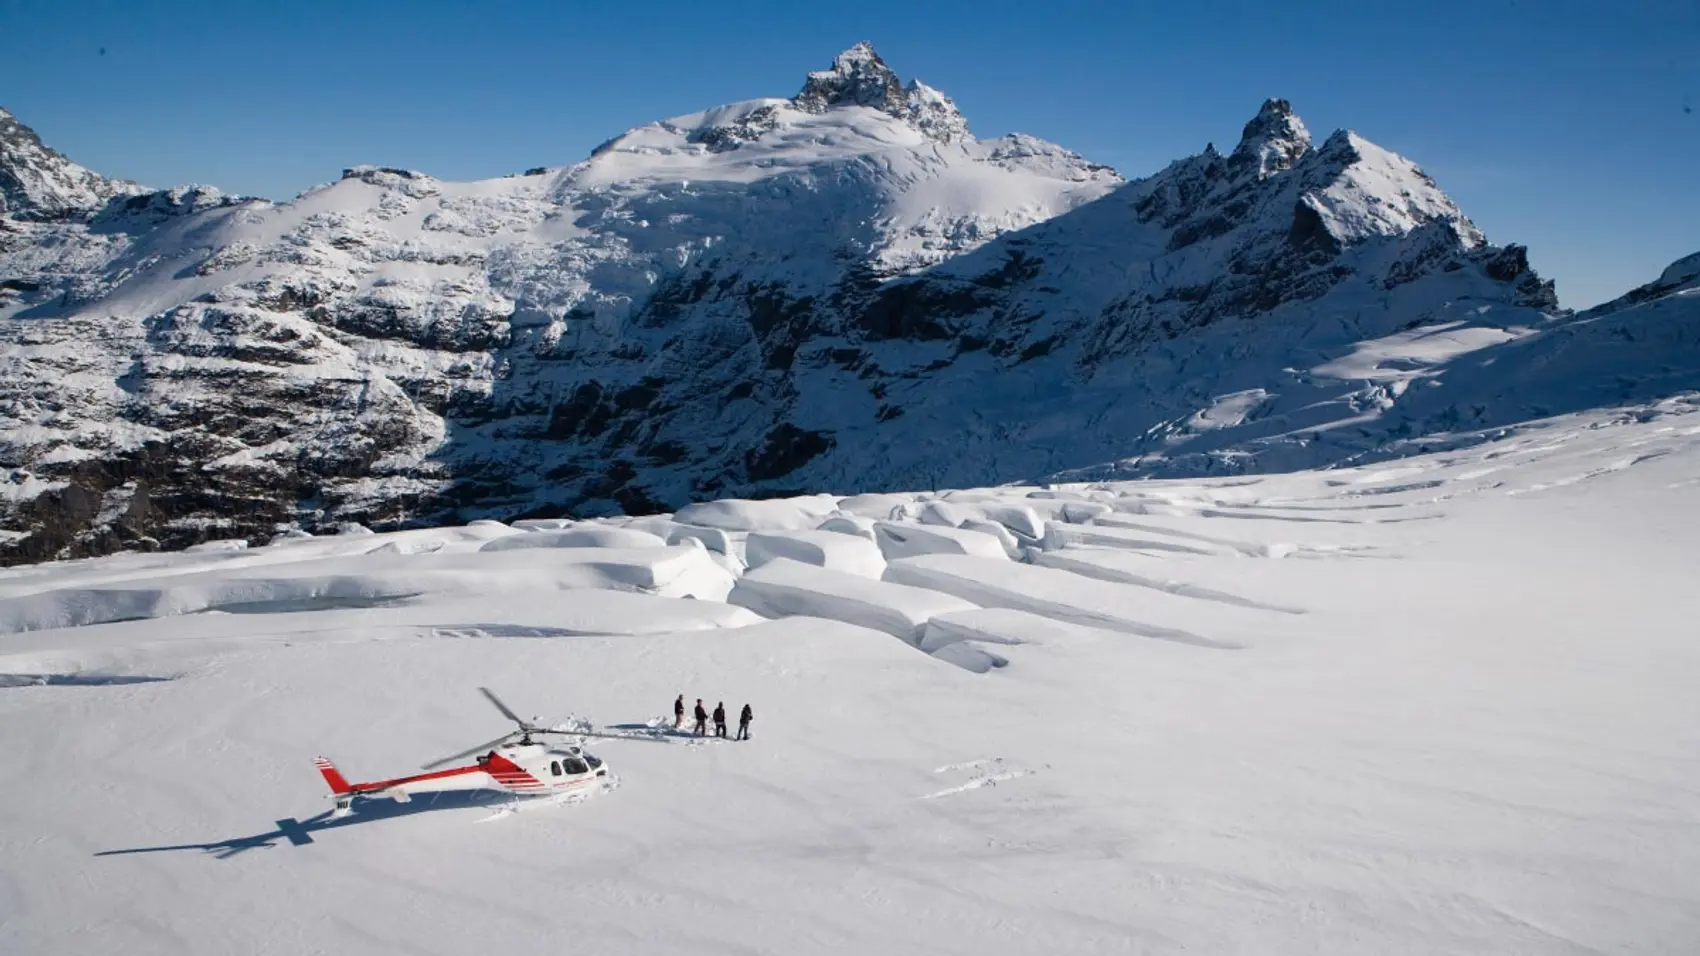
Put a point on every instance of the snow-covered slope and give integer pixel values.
(1281, 306)
(183, 359)
(1441, 706)
(838, 291)
(37, 183)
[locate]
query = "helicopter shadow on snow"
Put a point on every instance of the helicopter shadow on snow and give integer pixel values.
(300, 832)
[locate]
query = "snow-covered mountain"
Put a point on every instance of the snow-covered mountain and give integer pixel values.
(841, 290)
(39, 184)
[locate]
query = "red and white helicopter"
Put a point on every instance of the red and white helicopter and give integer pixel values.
(512, 762)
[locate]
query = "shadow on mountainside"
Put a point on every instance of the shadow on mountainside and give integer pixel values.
(928, 382)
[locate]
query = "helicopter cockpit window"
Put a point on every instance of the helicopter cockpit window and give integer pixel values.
(575, 765)
(555, 767)
(593, 759)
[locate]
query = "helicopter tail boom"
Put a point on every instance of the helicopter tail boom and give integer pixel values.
(503, 772)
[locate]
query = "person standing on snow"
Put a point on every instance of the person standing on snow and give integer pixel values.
(702, 719)
(744, 717)
(679, 712)
(720, 718)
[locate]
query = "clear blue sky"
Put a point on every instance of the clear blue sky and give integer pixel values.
(1571, 127)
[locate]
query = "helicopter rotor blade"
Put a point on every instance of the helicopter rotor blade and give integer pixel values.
(652, 738)
(467, 753)
(506, 711)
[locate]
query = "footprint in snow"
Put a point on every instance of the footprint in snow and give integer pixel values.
(994, 775)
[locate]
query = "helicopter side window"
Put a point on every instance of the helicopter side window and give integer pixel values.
(575, 765)
(555, 767)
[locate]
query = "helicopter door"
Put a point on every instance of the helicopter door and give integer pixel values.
(575, 766)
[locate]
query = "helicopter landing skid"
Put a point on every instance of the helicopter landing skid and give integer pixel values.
(568, 798)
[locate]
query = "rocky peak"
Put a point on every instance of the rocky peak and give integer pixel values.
(1362, 190)
(37, 182)
(933, 113)
(1272, 142)
(860, 78)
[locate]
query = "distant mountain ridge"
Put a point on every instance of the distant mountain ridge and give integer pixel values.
(844, 290)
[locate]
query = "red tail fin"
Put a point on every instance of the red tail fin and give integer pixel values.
(339, 786)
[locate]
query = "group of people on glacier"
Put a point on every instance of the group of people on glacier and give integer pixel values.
(702, 715)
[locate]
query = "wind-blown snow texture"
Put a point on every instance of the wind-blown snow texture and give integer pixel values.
(1442, 705)
(845, 290)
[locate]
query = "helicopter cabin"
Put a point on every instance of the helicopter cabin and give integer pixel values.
(573, 764)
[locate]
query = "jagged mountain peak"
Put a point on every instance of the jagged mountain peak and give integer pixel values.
(1362, 189)
(1272, 141)
(14, 135)
(933, 113)
(859, 77)
(829, 116)
(38, 182)
(1343, 192)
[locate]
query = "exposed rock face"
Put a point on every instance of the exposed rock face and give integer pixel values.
(933, 113)
(860, 78)
(1272, 142)
(842, 291)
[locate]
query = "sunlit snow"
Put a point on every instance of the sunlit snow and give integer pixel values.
(1439, 705)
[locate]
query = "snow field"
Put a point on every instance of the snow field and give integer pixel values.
(1457, 716)
(785, 588)
(678, 571)
(850, 524)
(909, 540)
(578, 538)
(1059, 536)
(824, 548)
(1134, 567)
(1048, 592)
(777, 514)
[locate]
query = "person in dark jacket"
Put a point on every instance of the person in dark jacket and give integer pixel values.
(679, 712)
(720, 718)
(744, 718)
(702, 719)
